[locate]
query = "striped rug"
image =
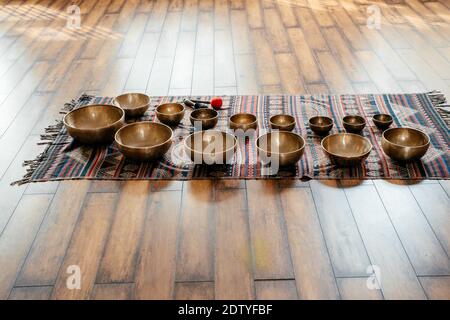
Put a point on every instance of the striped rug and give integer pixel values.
(66, 159)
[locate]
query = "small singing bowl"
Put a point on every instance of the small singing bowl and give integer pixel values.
(405, 144)
(321, 125)
(382, 120)
(354, 123)
(210, 147)
(208, 118)
(282, 122)
(283, 147)
(346, 149)
(243, 121)
(170, 113)
(95, 123)
(144, 141)
(134, 104)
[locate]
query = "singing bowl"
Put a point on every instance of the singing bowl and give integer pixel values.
(144, 141)
(243, 121)
(346, 149)
(134, 104)
(210, 147)
(95, 123)
(207, 117)
(170, 113)
(283, 146)
(382, 120)
(405, 144)
(282, 122)
(354, 123)
(321, 125)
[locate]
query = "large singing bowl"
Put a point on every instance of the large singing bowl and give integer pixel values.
(405, 144)
(210, 147)
(134, 104)
(95, 123)
(283, 147)
(346, 149)
(144, 141)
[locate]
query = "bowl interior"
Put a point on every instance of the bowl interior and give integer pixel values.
(406, 137)
(321, 121)
(211, 142)
(282, 119)
(94, 117)
(132, 100)
(170, 108)
(280, 142)
(243, 118)
(382, 117)
(143, 134)
(346, 145)
(204, 114)
(354, 120)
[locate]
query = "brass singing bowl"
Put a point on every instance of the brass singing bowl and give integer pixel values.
(134, 104)
(144, 141)
(170, 113)
(210, 147)
(283, 122)
(95, 123)
(207, 117)
(346, 149)
(283, 146)
(405, 144)
(354, 123)
(321, 125)
(243, 121)
(382, 120)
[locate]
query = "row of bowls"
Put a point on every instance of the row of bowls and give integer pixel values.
(150, 140)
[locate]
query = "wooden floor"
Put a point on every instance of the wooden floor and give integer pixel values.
(201, 239)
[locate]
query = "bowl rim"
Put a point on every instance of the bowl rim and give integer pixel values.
(170, 114)
(140, 123)
(204, 119)
(133, 108)
(408, 128)
(382, 114)
(353, 124)
(243, 113)
(318, 125)
(122, 117)
(210, 131)
(282, 132)
(282, 114)
(346, 133)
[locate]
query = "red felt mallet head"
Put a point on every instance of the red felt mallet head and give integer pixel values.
(216, 102)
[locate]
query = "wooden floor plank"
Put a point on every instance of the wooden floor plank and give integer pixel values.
(423, 248)
(31, 293)
(119, 260)
(113, 291)
(436, 288)
(195, 260)
(346, 248)
(357, 289)
(276, 290)
(312, 266)
(434, 203)
(86, 246)
(194, 290)
(48, 250)
(157, 259)
(16, 239)
(268, 231)
(233, 265)
(396, 274)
